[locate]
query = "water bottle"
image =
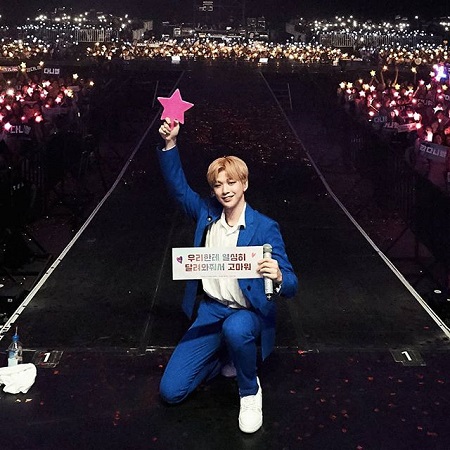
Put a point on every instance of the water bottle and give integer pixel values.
(15, 351)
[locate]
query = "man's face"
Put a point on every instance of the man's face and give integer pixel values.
(228, 191)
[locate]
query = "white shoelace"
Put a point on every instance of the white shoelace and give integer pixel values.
(249, 402)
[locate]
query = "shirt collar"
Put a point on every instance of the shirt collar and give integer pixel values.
(240, 223)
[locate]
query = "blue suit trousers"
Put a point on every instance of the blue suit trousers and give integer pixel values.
(197, 357)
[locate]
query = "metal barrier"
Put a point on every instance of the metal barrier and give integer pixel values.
(342, 39)
(424, 208)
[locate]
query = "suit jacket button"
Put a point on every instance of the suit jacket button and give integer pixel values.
(249, 288)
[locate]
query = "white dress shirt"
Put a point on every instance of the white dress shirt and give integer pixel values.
(224, 290)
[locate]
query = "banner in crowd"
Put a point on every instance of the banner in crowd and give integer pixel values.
(400, 127)
(379, 121)
(33, 69)
(407, 127)
(6, 69)
(46, 70)
(424, 102)
(445, 98)
(201, 262)
(433, 151)
(17, 130)
(391, 126)
(52, 71)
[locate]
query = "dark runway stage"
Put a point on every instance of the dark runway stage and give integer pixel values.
(360, 362)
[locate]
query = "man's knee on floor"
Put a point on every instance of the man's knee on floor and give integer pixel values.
(170, 393)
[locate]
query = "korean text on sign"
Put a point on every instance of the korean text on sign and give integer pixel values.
(201, 262)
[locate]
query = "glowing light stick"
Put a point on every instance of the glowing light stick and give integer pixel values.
(440, 73)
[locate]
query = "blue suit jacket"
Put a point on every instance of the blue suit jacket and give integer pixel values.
(259, 230)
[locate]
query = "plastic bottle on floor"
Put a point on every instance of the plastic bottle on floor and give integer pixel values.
(15, 351)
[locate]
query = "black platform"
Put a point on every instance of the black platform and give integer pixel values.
(359, 363)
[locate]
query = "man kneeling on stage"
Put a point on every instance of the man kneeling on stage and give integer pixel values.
(234, 313)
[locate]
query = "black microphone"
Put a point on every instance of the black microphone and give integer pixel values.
(268, 283)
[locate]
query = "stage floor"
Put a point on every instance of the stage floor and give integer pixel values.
(359, 364)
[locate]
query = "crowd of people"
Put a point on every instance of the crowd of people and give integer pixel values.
(234, 50)
(17, 49)
(33, 107)
(425, 54)
(417, 110)
(252, 51)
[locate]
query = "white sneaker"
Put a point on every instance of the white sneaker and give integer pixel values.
(250, 414)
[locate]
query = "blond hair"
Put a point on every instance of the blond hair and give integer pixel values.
(235, 168)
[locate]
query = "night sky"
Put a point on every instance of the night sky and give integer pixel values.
(277, 10)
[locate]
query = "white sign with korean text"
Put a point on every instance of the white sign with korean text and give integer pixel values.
(201, 262)
(407, 127)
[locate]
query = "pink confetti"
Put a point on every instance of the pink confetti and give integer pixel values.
(302, 352)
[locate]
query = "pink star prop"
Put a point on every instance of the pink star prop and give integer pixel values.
(174, 107)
